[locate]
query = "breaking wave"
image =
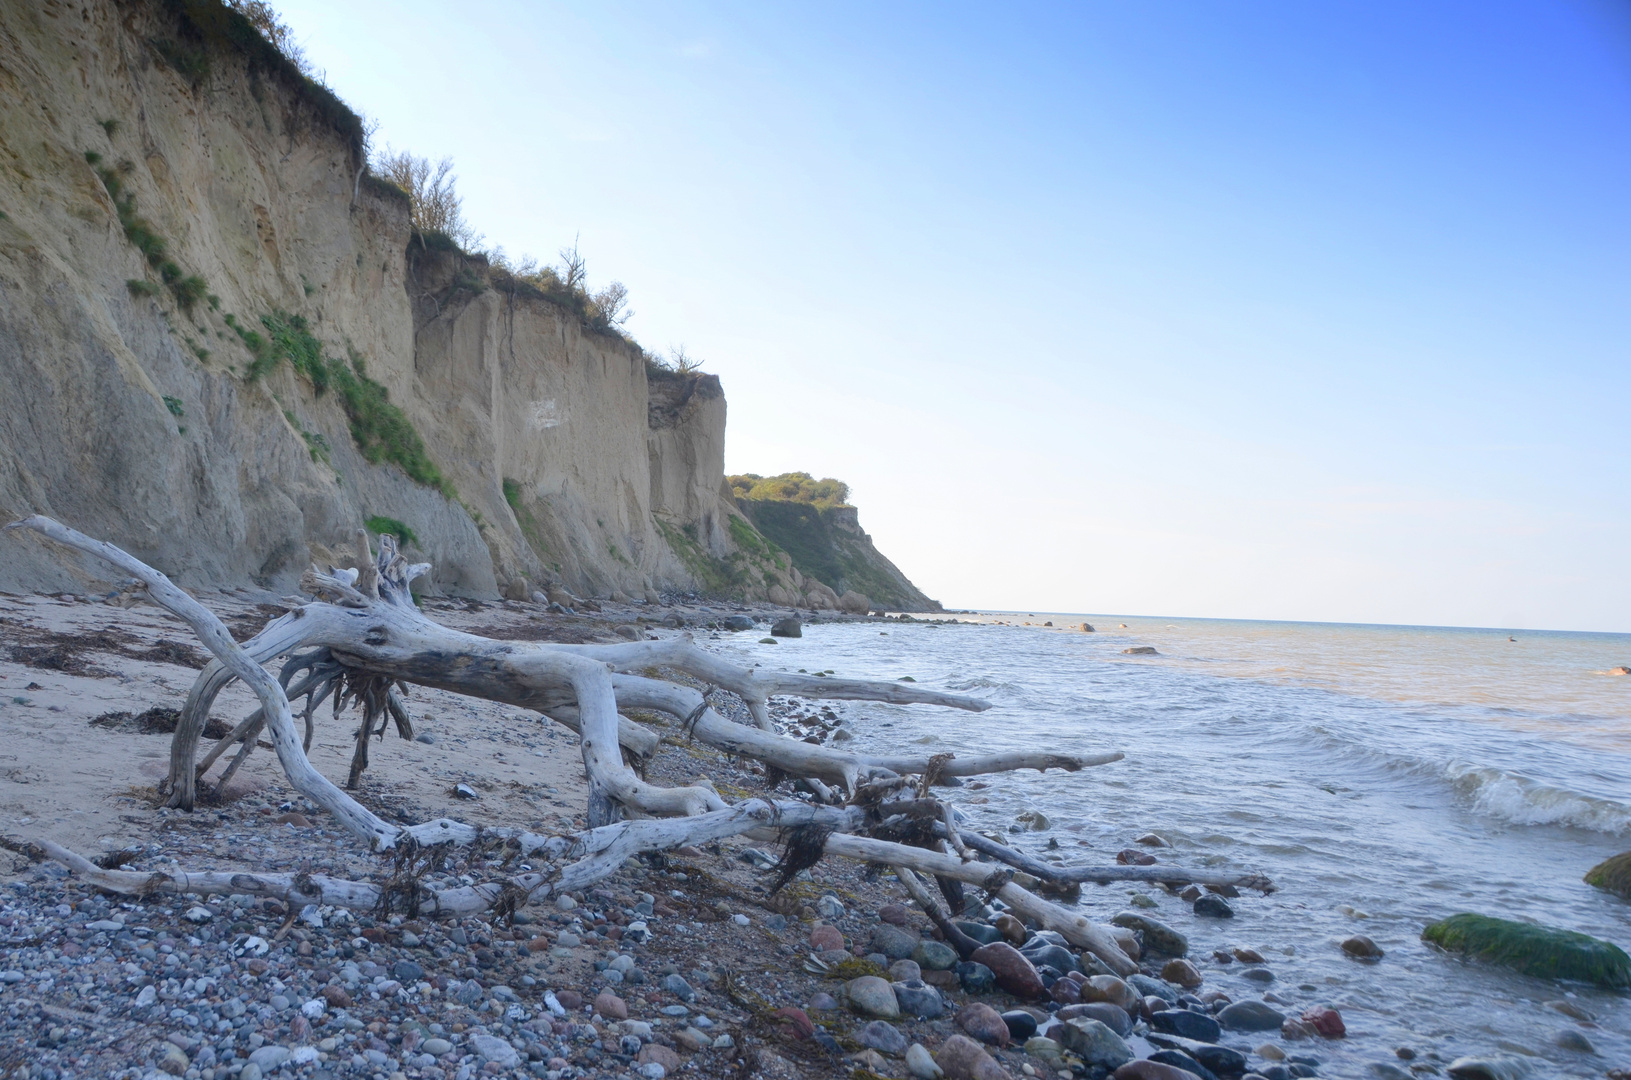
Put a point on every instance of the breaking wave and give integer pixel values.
(1516, 798)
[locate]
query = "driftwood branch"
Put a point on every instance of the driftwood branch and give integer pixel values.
(368, 639)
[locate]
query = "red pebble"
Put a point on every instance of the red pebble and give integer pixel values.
(1132, 857)
(1326, 1020)
(800, 1021)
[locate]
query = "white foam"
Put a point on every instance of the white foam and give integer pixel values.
(1516, 798)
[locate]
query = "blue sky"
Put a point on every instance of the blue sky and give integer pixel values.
(1277, 310)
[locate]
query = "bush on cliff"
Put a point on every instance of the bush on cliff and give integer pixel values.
(799, 487)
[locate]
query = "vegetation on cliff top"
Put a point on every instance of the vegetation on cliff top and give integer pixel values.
(252, 30)
(798, 487)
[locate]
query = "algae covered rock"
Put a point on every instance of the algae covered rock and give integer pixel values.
(1613, 874)
(1533, 950)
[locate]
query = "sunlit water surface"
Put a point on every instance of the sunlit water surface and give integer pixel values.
(1384, 777)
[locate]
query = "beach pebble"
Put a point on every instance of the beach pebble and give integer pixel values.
(1114, 1017)
(1213, 906)
(1249, 956)
(984, 1023)
(1021, 1024)
(1147, 1069)
(872, 996)
(1258, 974)
(1181, 973)
(918, 999)
(1501, 1067)
(1187, 1025)
(894, 914)
(931, 955)
(1570, 1039)
(961, 1058)
(904, 971)
(1139, 900)
(1012, 930)
(893, 942)
(829, 907)
(1093, 1042)
(822, 1002)
(921, 1064)
(1361, 947)
(1012, 971)
(1134, 857)
(824, 938)
(658, 1054)
(1326, 1021)
(1150, 839)
(1251, 1015)
(1157, 936)
(975, 978)
(882, 1036)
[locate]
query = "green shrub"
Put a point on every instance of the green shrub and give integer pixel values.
(109, 126)
(386, 526)
(512, 494)
(1533, 950)
(139, 287)
(174, 405)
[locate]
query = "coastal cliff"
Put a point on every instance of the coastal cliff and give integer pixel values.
(226, 349)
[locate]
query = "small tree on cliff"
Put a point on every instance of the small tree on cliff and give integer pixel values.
(433, 199)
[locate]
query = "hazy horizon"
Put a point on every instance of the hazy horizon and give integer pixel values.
(1268, 311)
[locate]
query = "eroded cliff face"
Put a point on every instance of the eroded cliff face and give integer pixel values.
(175, 207)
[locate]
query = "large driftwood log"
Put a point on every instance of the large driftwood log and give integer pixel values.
(369, 626)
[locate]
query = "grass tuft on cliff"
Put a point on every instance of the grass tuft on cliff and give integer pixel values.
(389, 526)
(381, 430)
(1533, 950)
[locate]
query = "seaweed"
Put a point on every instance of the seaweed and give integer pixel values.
(1540, 951)
(1613, 874)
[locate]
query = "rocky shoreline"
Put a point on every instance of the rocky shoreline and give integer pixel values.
(685, 964)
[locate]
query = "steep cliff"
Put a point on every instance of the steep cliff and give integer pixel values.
(812, 522)
(225, 349)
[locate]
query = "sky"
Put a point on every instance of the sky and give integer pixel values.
(1229, 309)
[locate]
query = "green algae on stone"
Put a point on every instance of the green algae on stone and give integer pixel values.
(1533, 950)
(1613, 874)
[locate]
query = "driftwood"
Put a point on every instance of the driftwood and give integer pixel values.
(365, 639)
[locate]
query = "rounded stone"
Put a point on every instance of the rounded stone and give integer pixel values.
(1013, 972)
(1251, 1015)
(882, 1036)
(1181, 973)
(984, 1023)
(904, 971)
(1021, 1024)
(1213, 906)
(872, 996)
(1361, 947)
(931, 955)
(975, 978)
(893, 942)
(611, 1006)
(1187, 1025)
(1111, 1016)
(824, 938)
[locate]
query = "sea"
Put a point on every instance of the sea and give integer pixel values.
(1383, 776)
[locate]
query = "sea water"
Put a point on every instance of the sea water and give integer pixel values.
(1384, 777)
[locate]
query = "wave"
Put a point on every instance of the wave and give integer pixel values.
(1488, 790)
(1516, 798)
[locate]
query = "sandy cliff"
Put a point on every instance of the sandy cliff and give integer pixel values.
(223, 347)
